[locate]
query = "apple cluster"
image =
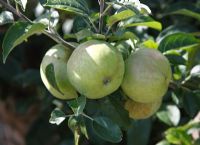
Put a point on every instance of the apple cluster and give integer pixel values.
(96, 69)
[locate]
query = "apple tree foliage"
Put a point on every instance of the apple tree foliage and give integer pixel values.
(170, 27)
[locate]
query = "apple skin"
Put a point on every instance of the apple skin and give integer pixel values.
(141, 110)
(95, 69)
(58, 56)
(147, 76)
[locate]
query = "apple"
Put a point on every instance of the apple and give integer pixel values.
(95, 69)
(139, 110)
(53, 71)
(147, 76)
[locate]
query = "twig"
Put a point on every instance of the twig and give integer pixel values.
(55, 37)
(85, 115)
(174, 86)
(101, 16)
(95, 28)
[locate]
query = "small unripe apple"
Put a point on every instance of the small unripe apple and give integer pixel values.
(141, 110)
(147, 76)
(53, 71)
(95, 69)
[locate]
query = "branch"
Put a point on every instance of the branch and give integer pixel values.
(102, 4)
(174, 86)
(55, 37)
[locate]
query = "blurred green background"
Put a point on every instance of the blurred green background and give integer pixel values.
(26, 105)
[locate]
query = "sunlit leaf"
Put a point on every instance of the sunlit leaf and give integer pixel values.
(6, 17)
(18, 33)
(79, 7)
(57, 116)
(177, 41)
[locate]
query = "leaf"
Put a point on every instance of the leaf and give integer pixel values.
(79, 7)
(191, 103)
(107, 130)
(113, 109)
(50, 18)
(177, 41)
(178, 28)
(193, 57)
(18, 33)
(177, 136)
(77, 105)
(57, 116)
(193, 80)
(77, 124)
(50, 74)
(169, 115)
(141, 21)
(84, 33)
(80, 23)
(73, 123)
(119, 16)
(184, 8)
(125, 48)
(123, 35)
(6, 17)
(163, 142)
(175, 58)
(150, 44)
(139, 132)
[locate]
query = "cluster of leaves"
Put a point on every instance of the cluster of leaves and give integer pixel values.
(128, 25)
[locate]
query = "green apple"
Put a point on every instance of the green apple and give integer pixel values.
(95, 69)
(53, 71)
(141, 110)
(147, 75)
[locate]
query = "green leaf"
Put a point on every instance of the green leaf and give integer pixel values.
(193, 80)
(77, 124)
(178, 28)
(163, 142)
(139, 132)
(125, 48)
(84, 33)
(169, 115)
(77, 105)
(191, 103)
(57, 116)
(114, 109)
(175, 58)
(79, 7)
(177, 41)
(50, 74)
(80, 23)
(177, 136)
(141, 21)
(193, 57)
(18, 33)
(6, 17)
(150, 44)
(107, 130)
(123, 35)
(186, 9)
(119, 16)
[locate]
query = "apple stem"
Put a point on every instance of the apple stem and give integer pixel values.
(101, 4)
(55, 37)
